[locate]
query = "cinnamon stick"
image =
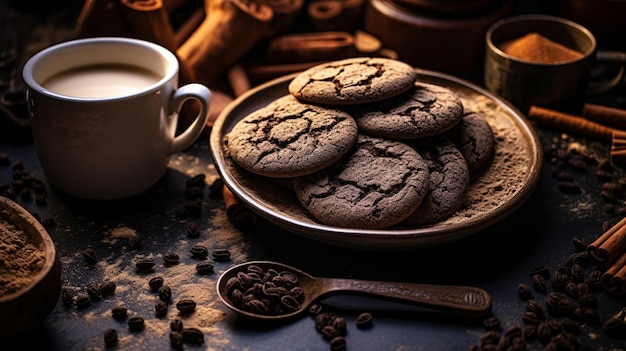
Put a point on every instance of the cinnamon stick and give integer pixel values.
(149, 21)
(605, 114)
(610, 246)
(614, 278)
(574, 124)
(235, 211)
(311, 46)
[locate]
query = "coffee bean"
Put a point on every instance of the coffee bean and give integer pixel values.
(119, 313)
(160, 308)
(221, 255)
(193, 230)
(165, 294)
(315, 309)
(90, 257)
(338, 343)
(67, 297)
(199, 251)
(524, 292)
(204, 267)
(364, 320)
(192, 335)
(186, 305)
(93, 292)
(171, 259)
(107, 289)
(145, 265)
(176, 340)
(539, 283)
(82, 301)
(110, 337)
(176, 325)
(155, 283)
(197, 181)
(490, 337)
(328, 332)
(135, 323)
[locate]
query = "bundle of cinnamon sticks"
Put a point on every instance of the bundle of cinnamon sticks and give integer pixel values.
(599, 122)
(609, 251)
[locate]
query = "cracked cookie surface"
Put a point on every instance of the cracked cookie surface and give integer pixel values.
(448, 181)
(425, 110)
(475, 139)
(377, 185)
(288, 138)
(353, 81)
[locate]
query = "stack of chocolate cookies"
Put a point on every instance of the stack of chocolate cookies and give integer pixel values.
(363, 144)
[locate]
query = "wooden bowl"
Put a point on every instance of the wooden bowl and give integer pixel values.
(28, 307)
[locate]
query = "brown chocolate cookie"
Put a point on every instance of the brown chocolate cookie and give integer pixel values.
(448, 181)
(353, 81)
(424, 111)
(474, 138)
(288, 138)
(377, 185)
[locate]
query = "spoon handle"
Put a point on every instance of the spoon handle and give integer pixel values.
(464, 300)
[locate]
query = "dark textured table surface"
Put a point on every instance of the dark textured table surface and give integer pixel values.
(497, 259)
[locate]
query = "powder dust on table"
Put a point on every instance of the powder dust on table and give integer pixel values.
(20, 259)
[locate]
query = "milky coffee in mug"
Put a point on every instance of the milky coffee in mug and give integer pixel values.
(104, 114)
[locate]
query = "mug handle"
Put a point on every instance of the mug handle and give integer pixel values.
(605, 56)
(197, 92)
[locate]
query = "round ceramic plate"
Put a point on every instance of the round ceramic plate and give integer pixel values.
(495, 193)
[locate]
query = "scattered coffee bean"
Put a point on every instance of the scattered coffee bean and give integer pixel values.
(160, 308)
(90, 256)
(93, 292)
(107, 288)
(165, 294)
(338, 343)
(199, 251)
(539, 283)
(221, 255)
(186, 305)
(135, 323)
(67, 297)
(176, 340)
(171, 259)
(110, 337)
(364, 320)
(119, 313)
(197, 181)
(192, 335)
(204, 267)
(176, 325)
(155, 283)
(144, 265)
(193, 230)
(524, 292)
(490, 337)
(216, 188)
(82, 301)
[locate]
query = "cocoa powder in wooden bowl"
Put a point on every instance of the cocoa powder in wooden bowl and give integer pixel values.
(30, 273)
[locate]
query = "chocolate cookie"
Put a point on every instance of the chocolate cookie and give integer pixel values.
(424, 111)
(288, 138)
(474, 138)
(377, 185)
(448, 181)
(353, 81)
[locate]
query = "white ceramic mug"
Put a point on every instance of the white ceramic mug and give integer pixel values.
(112, 137)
